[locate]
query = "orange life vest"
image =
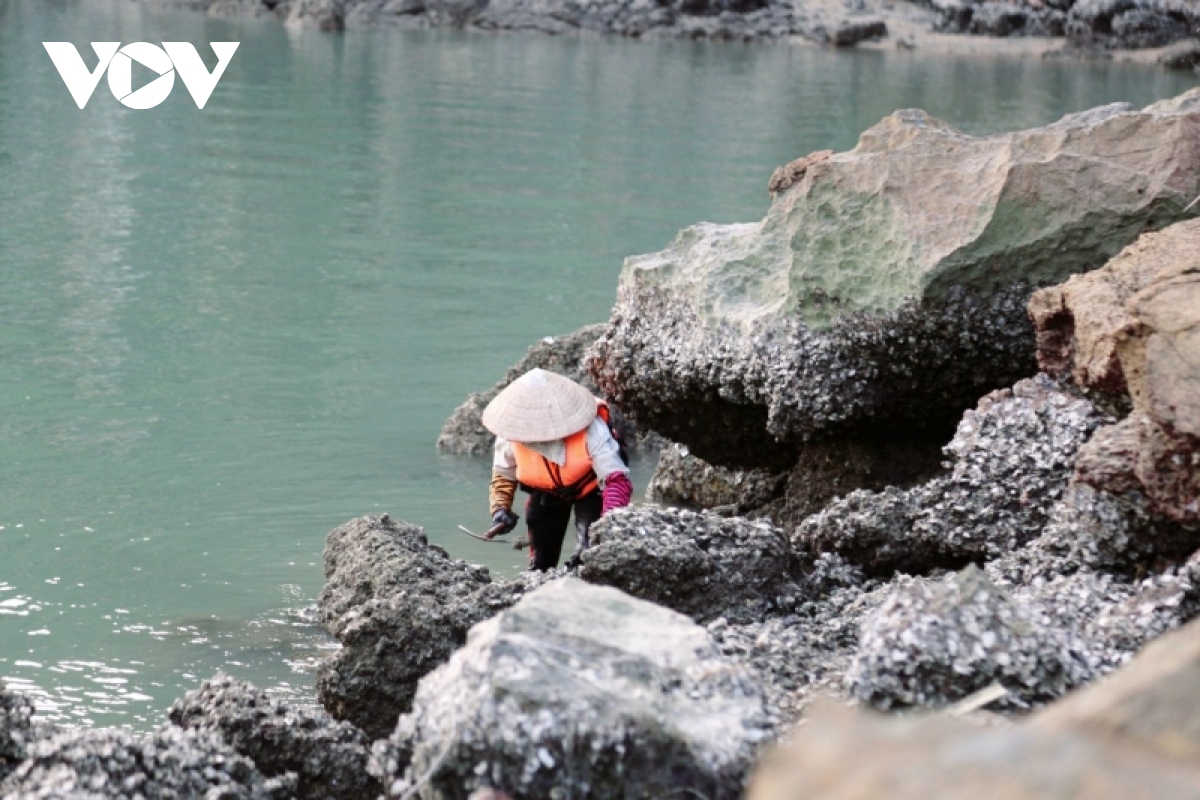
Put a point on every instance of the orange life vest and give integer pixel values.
(575, 478)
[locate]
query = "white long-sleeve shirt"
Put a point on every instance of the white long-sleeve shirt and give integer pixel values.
(601, 446)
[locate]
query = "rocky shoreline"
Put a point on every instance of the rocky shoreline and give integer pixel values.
(1032, 299)
(1169, 30)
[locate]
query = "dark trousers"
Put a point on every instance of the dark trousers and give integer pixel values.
(547, 517)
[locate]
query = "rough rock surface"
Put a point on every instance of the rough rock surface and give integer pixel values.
(1130, 24)
(703, 565)
(18, 729)
(579, 691)
(1152, 704)
(1087, 24)
(1040, 623)
(1131, 330)
(1010, 463)
(843, 753)
(884, 289)
(116, 764)
(728, 20)
(399, 606)
(854, 29)
(936, 642)
(810, 649)
(1075, 579)
(1003, 17)
(823, 471)
(328, 758)
(783, 178)
(683, 479)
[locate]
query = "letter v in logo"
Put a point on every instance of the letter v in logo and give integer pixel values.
(80, 83)
(199, 82)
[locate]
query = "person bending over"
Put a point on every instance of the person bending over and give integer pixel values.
(553, 440)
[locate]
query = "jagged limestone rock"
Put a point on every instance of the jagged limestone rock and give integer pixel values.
(1010, 462)
(887, 286)
(18, 729)
(683, 479)
(918, 207)
(399, 606)
(700, 564)
(169, 762)
(328, 758)
(579, 691)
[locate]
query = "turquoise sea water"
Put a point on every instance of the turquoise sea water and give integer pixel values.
(224, 332)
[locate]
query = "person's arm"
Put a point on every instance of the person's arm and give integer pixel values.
(504, 485)
(608, 466)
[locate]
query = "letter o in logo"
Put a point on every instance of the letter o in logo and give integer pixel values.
(120, 75)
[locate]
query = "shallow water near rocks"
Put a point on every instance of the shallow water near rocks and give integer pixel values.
(224, 332)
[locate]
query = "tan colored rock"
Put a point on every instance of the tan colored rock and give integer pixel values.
(1078, 322)
(844, 754)
(783, 178)
(1133, 328)
(1152, 704)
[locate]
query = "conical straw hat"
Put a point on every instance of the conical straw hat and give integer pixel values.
(540, 406)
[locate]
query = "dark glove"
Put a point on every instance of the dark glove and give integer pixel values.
(503, 521)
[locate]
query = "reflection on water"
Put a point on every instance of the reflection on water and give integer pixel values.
(79, 692)
(223, 333)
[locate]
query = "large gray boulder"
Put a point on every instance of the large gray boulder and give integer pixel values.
(327, 758)
(885, 288)
(399, 606)
(579, 691)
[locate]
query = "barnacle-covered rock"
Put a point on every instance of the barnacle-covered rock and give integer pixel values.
(823, 471)
(399, 606)
(938, 641)
(807, 649)
(169, 762)
(18, 729)
(1130, 24)
(683, 479)
(1010, 463)
(886, 287)
(328, 758)
(701, 564)
(579, 691)
(934, 642)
